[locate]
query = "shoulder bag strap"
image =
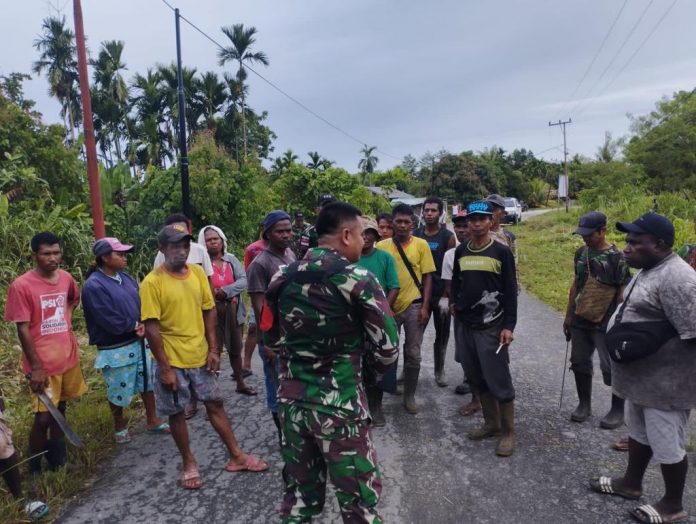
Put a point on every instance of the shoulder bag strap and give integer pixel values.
(408, 265)
(619, 315)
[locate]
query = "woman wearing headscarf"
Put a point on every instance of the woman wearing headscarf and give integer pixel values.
(229, 280)
(112, 312)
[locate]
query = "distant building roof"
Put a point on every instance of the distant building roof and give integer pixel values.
(396, 193)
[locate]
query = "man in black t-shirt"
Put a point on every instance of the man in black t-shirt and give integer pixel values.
(484, 300)
(439, 239)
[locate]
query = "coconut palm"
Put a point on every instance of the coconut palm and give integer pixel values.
(369, 161)
(58, 59)
(240, 51)
(318, 162)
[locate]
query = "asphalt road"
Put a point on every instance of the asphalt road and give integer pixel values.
(431, 472)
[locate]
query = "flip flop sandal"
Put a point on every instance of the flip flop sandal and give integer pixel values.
(647, 513)
(36, 510)
(467, 410)
(603, 485)
(252, 464)
(247, 391)
(159, 430)
(122, 437)
(191, 475)
(620, 444)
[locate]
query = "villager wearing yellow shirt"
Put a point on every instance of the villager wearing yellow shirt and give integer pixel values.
(414, 267)
(179, 315)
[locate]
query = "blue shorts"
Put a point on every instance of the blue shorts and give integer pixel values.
(203, 382)
(123, 383)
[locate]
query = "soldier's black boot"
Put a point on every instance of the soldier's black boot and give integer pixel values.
(378, 419)
(615, 417)
(583, 383)
(410, 385)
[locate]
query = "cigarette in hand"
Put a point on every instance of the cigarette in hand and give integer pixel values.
(499, 348)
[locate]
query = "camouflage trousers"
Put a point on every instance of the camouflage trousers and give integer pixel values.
(314, 442)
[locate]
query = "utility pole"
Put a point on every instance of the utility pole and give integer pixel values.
(88, 123)
(563, 123)
(183, 159)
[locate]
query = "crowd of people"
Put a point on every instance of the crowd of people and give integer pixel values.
(331, 305)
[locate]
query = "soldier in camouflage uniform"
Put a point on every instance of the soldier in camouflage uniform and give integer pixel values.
(319, 313)
(309, 238)
(604, 262)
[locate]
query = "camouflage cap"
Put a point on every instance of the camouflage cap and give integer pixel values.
(370, 223)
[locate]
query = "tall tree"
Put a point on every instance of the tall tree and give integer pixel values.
(240, 52)
(212, 94)
(369, 161)
(58, 59)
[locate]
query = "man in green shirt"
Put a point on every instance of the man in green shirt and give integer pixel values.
(382, 265)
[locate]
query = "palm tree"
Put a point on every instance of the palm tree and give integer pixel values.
(212, 96)
(169, 84)
(110, 96)
(240, 51)
(57, 47)
(368, 162)
(317, 162)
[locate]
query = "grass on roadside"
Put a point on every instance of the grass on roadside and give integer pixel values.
(89, 416)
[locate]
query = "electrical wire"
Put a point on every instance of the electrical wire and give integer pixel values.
(630, 59)
(613, 59)
(281, 91)
(594, 59)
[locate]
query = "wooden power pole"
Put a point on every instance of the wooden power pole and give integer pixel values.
(563, 123)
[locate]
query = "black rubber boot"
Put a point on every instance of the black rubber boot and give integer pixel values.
(56, 453)
(439, 358)
(410, 385)
(583, 383)
(615, 417)
(376, 395)
(34, 462)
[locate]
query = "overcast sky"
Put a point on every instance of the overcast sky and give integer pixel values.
(407, 75)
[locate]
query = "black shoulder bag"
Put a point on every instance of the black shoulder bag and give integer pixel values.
(630, 341)
(408, 265)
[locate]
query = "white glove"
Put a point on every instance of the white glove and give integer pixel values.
(443, 305)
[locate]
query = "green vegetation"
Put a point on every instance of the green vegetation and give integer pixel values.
(547, 245)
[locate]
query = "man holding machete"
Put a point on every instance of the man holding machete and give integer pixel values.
(41, 302)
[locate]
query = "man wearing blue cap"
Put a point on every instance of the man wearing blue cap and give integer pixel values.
(659, 387)
(601, 274)
(484, 300)
(277, 232)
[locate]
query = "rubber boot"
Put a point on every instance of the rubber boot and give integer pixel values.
(583, 383)
(439, 358)
(506, 444)
(34, 462)
(615, 417)
(491, 418)
(56, 453)
(375, 395)
(410, 385)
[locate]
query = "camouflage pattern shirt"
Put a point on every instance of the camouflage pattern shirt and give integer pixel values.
(308, 240)
(608, 267)
(322, 337)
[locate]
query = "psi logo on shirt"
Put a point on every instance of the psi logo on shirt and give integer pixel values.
(53, 314)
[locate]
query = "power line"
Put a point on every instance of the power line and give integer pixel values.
(630, 59)
(594, 58)
(281, 91)
(613, 59)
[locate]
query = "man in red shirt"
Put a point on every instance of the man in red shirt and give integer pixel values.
(40, 303)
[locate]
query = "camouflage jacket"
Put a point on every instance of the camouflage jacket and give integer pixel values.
(322, 336)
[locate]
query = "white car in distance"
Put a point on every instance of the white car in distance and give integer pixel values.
(513, 211)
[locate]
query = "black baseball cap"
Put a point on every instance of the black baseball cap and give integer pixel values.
(496, 200)
(173, 233)
(591, 222)
(299, 214)
(650, 224)
(326, 198)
